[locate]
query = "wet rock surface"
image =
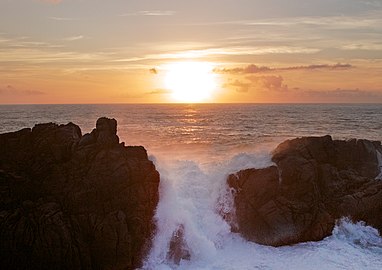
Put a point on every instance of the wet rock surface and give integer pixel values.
(315, 180)
(69, 201)
(178, 248)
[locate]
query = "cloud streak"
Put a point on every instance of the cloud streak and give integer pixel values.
(51, 1)
(9, 90)
(251, 69)
(368, 20)
(159, 92)
(239, 86)
(259, 83)
(223, 51)
(74, 38)
(150, 13)
(63, 19)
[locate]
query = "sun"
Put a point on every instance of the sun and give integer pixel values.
(190, 82)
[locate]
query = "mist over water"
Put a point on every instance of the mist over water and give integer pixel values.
(195, 147)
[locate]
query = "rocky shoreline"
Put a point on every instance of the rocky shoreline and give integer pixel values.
(73, 201)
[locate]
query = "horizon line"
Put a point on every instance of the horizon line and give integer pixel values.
(199, 103)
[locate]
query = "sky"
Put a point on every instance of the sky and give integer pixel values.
(117, 51)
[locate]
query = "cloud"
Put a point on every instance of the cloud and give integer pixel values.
(32, 54)
(318, 66)
(258, 83)
(364, 46)
(157, 12)
(243, 70)
(228, 51)
(153, 71)
(268, 83)
(9, 90)
(239, 86)
(159, 91)
(63, 19)
(150, 13)
(51, 1)
(74, 38)
(250, 69)
(362, 21)
(373, 3)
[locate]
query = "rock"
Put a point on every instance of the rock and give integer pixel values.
(316, 180)
(178, 249)
(69, 201)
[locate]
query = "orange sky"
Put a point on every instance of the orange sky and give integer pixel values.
(94, 51)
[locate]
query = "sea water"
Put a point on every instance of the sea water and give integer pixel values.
(195, 147)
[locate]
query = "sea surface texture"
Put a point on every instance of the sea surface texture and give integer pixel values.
(196, 146)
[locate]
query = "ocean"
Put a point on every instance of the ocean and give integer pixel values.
(196, 146)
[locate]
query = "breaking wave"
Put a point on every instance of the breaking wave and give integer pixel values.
(192, 193)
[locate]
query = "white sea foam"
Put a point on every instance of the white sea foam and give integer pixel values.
(190, 195)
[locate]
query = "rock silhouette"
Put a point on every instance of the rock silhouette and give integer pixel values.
(178, 249)
(69, 201)
(315, 180)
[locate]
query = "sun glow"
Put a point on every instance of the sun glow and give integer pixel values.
(190, 81)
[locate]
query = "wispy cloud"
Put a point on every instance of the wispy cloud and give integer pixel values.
(258, 83)
(31, 52)
(337, 66)
(227, 51)
(9, 90)
(24, 56)
(372, 19)
(150, 13)
(73, 38)
(63, 19)
(243, 70)
(333, 22)
(239, 86)
(250, 69)
(159, 91)
(373, 3)
(363, 46)
(51, 1)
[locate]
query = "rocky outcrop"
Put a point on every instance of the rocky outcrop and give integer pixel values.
(315, 180)
(69, 201)
(178, 249)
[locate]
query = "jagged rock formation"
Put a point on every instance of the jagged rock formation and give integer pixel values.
(315, 181)
(178, 249)
(69, 201)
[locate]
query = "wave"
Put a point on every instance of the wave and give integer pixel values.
(194, 194)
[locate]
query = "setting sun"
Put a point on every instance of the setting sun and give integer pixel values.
(190, 81)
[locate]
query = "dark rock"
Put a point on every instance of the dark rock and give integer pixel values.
(69, 201)
(178, 249)
(316, 180)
